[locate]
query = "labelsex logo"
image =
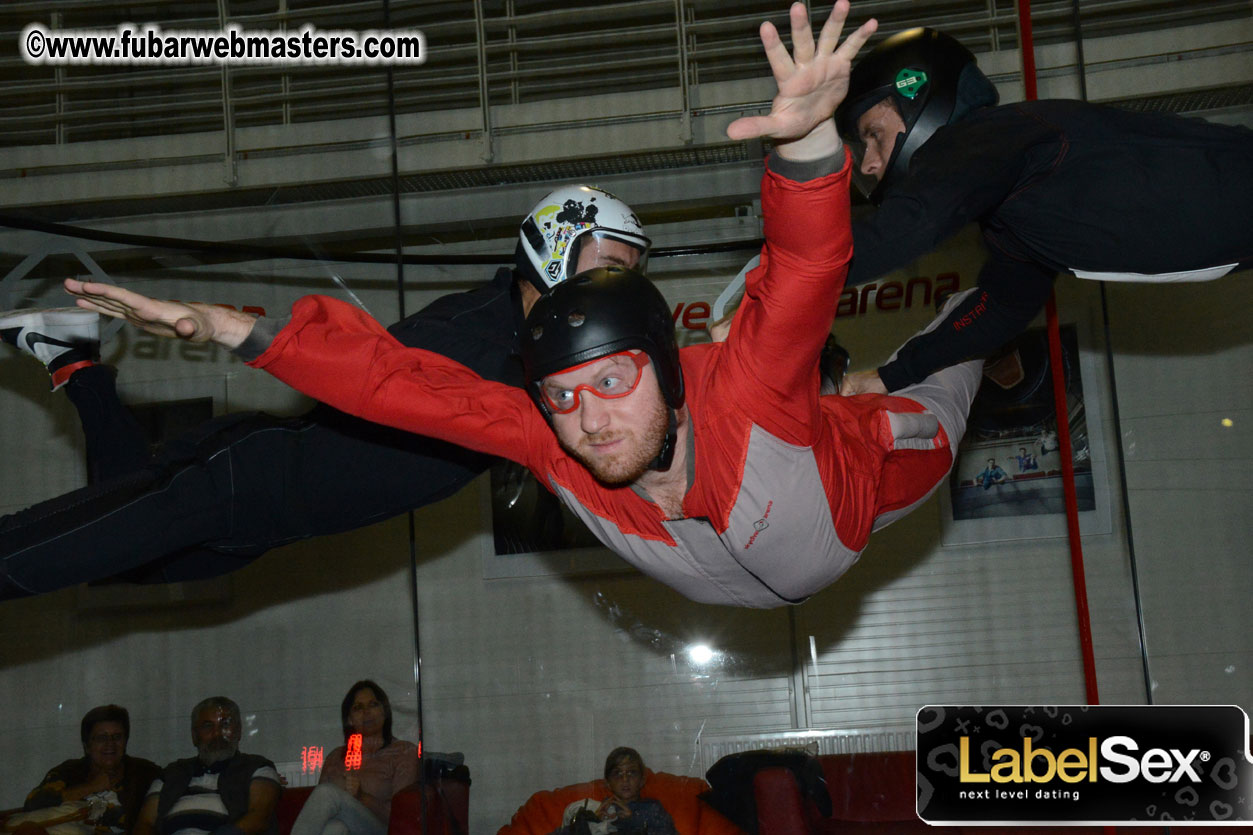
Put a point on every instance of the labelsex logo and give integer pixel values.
(1039, 765)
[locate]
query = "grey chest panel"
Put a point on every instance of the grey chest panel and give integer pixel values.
(780, 545)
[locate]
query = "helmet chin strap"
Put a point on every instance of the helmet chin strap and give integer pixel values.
(665, 456)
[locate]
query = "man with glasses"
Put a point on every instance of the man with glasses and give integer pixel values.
(719, 472)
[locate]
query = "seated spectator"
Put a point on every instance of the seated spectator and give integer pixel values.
(992, 474)
(357, 800)
(220, 790)
(110, 784)
(624, 811)
(1026, 460)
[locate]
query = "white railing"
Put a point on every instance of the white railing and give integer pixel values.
(483, 53)
(814, 741)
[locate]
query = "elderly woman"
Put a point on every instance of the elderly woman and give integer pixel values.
(109, 782)
(357, 800)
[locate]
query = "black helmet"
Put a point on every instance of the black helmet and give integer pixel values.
(600, 312)
(932, 79)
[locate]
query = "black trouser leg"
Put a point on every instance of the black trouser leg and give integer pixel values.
(226, 493)
(116, 445)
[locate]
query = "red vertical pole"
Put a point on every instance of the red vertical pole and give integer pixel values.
(1063, 413)
(1027, 45)
(1072, 505)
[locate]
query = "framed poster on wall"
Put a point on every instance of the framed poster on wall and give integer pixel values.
(1007, 482)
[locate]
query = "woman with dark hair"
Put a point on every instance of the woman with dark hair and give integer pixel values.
(354, 794)
(107, 783)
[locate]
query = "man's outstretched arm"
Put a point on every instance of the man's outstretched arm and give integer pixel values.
(1010, 295)
(337, 354)
(790, 300)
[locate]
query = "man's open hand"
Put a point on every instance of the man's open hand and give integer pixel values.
(192, 321)
(812, 83)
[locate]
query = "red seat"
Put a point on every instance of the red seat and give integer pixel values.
(541, 814)
(289, 803)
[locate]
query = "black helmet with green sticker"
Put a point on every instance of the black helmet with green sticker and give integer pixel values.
(597, 313)
(931, 79)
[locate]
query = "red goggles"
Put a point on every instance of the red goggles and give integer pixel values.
(616, 379)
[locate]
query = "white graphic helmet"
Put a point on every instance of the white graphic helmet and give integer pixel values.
(566, 223)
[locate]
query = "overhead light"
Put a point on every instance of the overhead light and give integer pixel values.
(700, 654)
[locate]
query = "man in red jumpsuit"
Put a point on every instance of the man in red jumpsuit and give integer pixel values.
(717, 470)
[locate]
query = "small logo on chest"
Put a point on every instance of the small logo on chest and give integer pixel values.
(759, 526)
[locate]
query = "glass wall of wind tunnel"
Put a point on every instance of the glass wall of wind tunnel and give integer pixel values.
(935, 612)
(1181, 354)
(539, 655)
(971, 599)
(551, 649)
(196, 183)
